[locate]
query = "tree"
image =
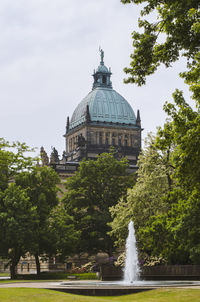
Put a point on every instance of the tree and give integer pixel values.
(184, 134)
(178, 225)
(40, 185)
(13, 160)
(18, 219)
(90, 192)
(182, 221)
(4, 164)
(179, 229)
(146, 198)
(61, 233)
(28, 207)
(178, 23)
(17, 215)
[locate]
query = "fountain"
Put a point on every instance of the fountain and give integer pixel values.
(131, 282)
(131, 271)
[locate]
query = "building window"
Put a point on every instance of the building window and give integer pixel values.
(89, 137)
(92, 138)
(100, 138)
(126, 141)
(119, 140)
(107, 139)
(113, 139)
(132, 140)
(104, 79)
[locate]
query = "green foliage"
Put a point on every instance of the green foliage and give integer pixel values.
(90, 192)
(179, 226)
(13, 160)
(30, 218)
(17, 215)
(145, 199)
(18, 219)
(61, 233)
(182, 221)
(178, 24)
(184, 133)
(41, 187)
(164, 203)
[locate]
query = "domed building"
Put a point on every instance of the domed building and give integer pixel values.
(102, 119)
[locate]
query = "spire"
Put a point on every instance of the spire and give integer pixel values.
(138, 120)
(87, 114)
(67, 124)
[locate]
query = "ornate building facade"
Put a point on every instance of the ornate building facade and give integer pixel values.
(103, 119)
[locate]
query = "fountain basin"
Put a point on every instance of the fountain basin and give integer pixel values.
(106, 288)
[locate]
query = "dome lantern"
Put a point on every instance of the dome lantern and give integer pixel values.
(102, 74)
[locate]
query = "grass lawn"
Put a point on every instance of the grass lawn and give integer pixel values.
(51, 276)
(45, 295)
(57, 276)
(4, 274)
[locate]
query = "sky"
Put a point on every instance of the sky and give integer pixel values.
(48, 51)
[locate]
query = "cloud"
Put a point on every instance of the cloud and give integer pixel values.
(48, 50)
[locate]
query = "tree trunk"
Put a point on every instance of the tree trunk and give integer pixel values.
(37, 261)
(14, 262)
(12, 271)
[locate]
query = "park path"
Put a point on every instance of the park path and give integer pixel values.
(32, 284)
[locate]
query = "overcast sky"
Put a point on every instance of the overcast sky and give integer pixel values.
(48, 51)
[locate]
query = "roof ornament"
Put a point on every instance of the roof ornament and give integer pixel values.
(102, 55)
(138, 120)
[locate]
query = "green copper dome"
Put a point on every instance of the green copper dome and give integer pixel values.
(105, 104)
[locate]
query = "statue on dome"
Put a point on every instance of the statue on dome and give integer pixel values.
(102, 54)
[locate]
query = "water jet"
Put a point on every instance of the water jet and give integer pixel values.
(131, 271)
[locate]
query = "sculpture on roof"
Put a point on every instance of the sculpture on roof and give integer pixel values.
(102, 55)
(54, 158)
(44, 157)
(81, 141)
